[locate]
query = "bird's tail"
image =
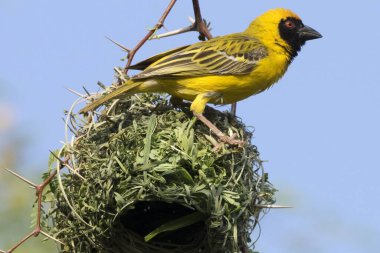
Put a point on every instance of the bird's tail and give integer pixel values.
(126, 89)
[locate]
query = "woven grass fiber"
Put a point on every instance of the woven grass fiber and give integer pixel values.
(144, 177)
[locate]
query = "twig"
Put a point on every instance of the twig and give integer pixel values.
(21, 178)
(119, 45)
(159, 24)
(272, 206)
(190, 28)
(65, 164)
(34, 233)
(51, 237)
(39, 193)
(22, 241)
(201, 26)
(75, 92)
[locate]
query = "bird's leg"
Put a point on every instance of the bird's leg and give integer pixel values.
(199, 105)
(233, 109)
(223, 137)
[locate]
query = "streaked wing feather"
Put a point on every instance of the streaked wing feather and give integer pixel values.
(147, 62)
(235, 54)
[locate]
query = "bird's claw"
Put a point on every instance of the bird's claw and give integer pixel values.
(227, 140)
(231, 140)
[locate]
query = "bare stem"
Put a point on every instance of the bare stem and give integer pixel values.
(159, 24)
(119, 45)
(21, 178)
(39, 192)
(272, 206)
(198, 24)
(51, 237)
(21, 242)
(233, 108)
(189, 28)
(201, 26)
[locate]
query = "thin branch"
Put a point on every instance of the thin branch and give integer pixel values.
(75, 172)
(21, 242)
(190, 28)
(159, 24)
(34, 233)
(119, 45)
(39, 192)
(201, 26)
(76, 93)
(272, 206)
(21, 178)
(65, 164)
(51, 237)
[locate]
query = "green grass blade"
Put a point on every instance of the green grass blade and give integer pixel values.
(176, 224)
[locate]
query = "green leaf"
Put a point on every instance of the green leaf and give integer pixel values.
(148, 140)
(176, 224)
(119, 199)
(185, 176)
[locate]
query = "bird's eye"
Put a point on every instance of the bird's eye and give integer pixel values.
(290, 24)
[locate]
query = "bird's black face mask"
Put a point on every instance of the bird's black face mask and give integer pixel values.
(295, 33)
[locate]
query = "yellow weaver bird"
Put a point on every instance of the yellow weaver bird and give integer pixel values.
(222, 70)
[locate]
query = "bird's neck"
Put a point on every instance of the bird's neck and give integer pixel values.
(272, 41)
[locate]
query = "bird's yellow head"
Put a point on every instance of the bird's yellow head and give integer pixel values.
(281, 29)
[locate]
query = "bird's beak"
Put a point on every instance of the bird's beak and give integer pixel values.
(308, 33)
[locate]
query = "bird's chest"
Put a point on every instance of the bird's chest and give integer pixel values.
(268, 71)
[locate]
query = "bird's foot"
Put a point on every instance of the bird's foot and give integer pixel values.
(224, 139)
(231, 140)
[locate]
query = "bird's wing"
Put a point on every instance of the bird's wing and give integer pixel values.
(145, 63)
(235, 54)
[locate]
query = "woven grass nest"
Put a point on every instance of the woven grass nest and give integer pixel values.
(144, 177)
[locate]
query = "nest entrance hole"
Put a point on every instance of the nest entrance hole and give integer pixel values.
(149, 215)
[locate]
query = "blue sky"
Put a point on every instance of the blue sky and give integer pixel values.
(318, 127)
